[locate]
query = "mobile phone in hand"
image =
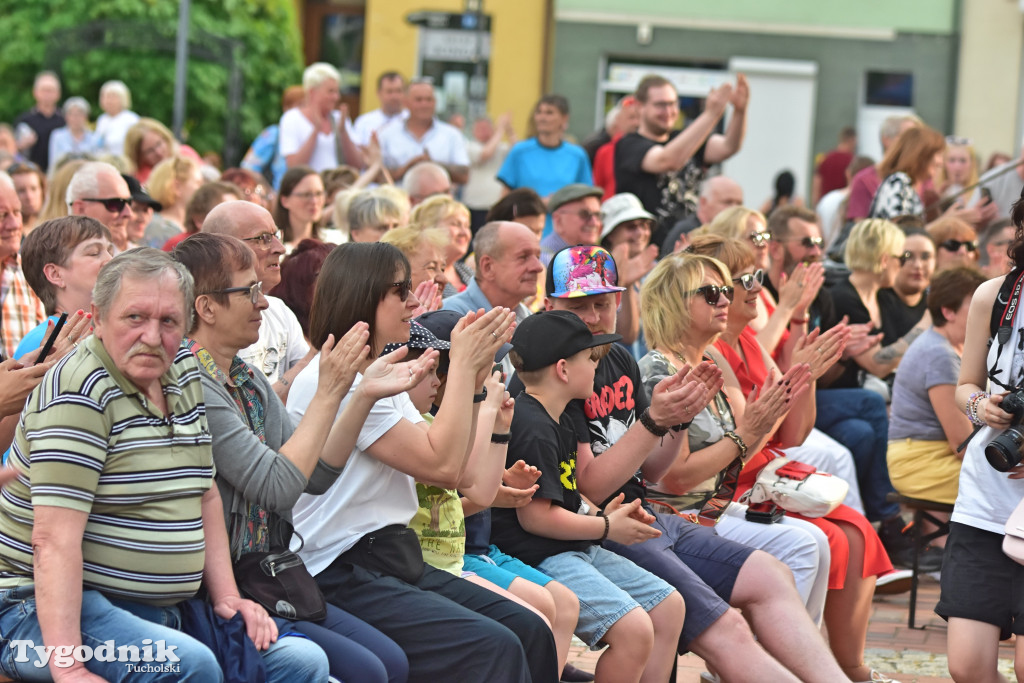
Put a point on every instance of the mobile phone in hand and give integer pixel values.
(45, 350)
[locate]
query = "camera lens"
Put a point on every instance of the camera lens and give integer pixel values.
(1004, 451)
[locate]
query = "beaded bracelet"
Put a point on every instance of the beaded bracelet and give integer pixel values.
(972, 407)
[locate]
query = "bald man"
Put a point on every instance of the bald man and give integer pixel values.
(281, 351)
(716, 195)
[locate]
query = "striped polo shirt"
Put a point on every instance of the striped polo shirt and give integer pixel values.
(89, 440)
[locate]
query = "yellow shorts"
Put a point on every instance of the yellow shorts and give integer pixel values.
(924, 469)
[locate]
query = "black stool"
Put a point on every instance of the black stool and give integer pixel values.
(923, 510)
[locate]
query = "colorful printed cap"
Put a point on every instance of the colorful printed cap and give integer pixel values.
(582, 270)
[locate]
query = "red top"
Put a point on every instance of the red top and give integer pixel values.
(832, 170)
(604, 167)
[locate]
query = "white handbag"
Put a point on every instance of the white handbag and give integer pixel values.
(796, 487)
(1013, 541)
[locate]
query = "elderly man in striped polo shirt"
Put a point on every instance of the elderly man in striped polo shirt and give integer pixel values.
(112, 519)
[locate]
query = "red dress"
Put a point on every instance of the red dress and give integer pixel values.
(753, 373)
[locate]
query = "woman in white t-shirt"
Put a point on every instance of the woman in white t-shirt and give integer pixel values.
(358, 544)
(980, 597)
(117, 117)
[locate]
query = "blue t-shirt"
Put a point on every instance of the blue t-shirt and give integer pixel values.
(545, 170)
(35, 338)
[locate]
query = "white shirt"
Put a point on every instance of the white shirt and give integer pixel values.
(295, 129)
(443, 142)
(367, 496)
(828, 210)
(111, 130)
(483, 188)
(373, 122)
(281, 344)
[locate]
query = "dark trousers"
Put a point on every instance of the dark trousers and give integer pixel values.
(450, 629)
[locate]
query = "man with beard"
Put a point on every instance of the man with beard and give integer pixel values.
(853, 416)
(664, 167)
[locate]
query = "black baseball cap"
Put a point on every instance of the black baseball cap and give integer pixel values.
(442, 322)
(547, 337)
(140, 195)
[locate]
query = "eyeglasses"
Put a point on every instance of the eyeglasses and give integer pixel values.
(760, 239)
(265, 239)
(749, 279)
(712, 293)
(809, 242)
(955, 245)
(306, 196)
(255, 291)
(958, 141)
(635, 225)
(908, 256)
(404, 287)
(587, 216)
(111, 204)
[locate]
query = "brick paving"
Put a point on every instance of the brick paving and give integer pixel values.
(909, 656)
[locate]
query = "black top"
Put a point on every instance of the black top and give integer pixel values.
(669, 196)
(897, 317)
(39, 153)
(847, 302)
(551, 447)
(616, 403)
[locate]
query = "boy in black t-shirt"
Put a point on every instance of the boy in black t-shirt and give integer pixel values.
(636, 614)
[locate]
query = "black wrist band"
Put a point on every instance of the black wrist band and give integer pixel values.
(607, 528)
(681, 426)
(650, 425)
(479, 398)
(501, 438)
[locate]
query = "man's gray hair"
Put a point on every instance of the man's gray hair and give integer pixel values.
(143, 263)
(487, 241)
(79, 103)
(7, 180)
(609, 118)
(85, 182)
(317, 73)
(411, 179)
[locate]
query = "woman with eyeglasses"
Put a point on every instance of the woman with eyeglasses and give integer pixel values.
(358, 544)
(903, 305)
(956, 243)
(997, 242)
(795, 293)
(979, 596)
(299, 206)
(264, 463)
(854, 554)
(910, 165)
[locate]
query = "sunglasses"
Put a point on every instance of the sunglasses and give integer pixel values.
(265, 239)
(712, 293)
(255, 291)
(404, 287)
(111, 204)
(955, 245)
(587, 216)
(810, 242)
(749, 279)
(760, 239)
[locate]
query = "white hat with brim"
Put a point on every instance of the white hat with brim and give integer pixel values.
(619, 209)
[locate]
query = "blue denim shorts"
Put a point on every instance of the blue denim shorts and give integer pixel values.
(502, 569)
(607, 585)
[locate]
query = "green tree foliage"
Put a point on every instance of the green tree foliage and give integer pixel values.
(271, 59)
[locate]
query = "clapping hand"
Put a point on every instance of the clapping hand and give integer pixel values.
(387, 376)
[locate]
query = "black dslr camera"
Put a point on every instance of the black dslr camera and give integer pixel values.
(1006, 450)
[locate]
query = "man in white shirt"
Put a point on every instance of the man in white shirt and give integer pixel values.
(313, 134)
(422, 137)
(391, 93)
(281, 351)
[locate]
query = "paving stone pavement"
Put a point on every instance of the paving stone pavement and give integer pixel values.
(907, 655)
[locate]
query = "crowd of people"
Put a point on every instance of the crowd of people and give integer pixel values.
(389, 402)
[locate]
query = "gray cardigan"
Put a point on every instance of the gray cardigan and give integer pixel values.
(250, 471)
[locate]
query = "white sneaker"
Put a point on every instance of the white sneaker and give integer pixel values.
(878, 677)
(894, 582)
(706, 677)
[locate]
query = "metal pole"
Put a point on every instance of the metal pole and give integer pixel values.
(181, 67)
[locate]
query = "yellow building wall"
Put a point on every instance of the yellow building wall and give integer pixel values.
(519, 35)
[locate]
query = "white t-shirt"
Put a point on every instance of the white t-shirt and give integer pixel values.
(367, 496)
(987, 496)
(111, 130)
(281, 344)
(373, 122)
(483, 188)
(295, 129)
(828, 210)
(443, 142)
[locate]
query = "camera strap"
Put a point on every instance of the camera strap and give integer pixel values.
(1001, 328)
